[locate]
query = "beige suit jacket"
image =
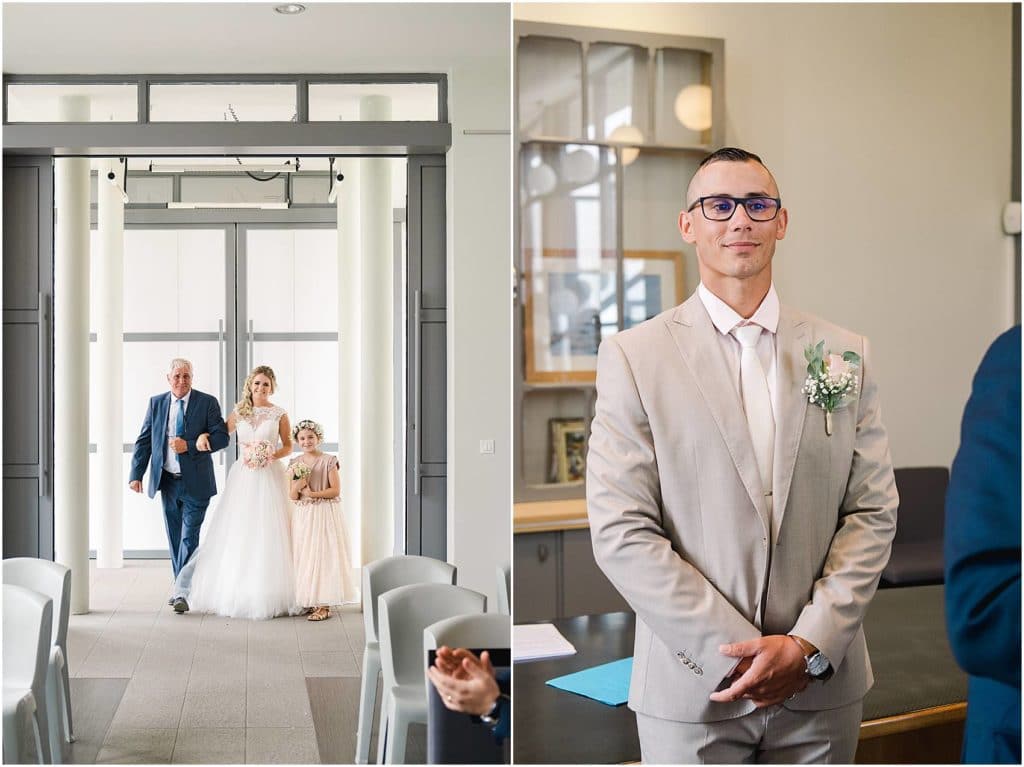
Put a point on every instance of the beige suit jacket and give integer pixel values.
(681, 528)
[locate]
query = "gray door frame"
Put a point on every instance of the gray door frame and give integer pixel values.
(28, 357)
(426, 495)
(424, 145)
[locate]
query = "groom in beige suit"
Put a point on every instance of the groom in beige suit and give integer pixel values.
(745, 527)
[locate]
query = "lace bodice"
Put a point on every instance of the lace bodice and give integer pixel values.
(261, 424)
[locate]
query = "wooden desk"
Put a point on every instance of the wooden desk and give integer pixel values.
(918, 690)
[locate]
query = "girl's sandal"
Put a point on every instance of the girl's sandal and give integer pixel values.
(320, 614)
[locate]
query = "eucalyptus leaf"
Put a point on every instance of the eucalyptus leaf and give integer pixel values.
(852, 357)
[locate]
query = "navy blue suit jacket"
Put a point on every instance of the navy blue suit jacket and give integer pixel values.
(201, 416)
(983, 556)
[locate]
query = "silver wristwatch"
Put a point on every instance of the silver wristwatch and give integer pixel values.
(818, 666)
(491, 717)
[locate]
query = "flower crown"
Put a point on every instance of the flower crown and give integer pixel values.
(313, 426)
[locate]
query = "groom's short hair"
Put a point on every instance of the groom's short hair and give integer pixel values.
(726, 154)
(179, 362)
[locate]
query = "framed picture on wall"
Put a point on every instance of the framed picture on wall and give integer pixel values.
(568, 450)
(570, 305)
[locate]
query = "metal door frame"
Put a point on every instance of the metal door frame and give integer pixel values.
(291, 140)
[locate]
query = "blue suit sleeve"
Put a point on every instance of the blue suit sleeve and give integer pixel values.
(143, 447)
(503, 728)
(214, 426)
(983, 521)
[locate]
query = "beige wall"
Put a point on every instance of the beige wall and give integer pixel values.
(480, 314)
(888, 129)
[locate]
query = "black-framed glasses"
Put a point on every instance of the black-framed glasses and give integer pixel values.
(720, 207)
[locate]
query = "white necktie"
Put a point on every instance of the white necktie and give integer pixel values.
(757, 404)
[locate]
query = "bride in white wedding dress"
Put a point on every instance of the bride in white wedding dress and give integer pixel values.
(243, 566)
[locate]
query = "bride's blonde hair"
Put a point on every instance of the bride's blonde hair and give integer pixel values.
(244, 406)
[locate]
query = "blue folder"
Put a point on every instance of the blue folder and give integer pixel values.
(607, 683)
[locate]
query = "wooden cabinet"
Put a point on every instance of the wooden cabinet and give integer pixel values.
(536, 572)
(556, 577)
(585, 589)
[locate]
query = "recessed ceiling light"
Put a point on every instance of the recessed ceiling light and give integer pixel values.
(290, 9)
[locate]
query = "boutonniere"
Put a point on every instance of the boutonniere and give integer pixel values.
(830, 380)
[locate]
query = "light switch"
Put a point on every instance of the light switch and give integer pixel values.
(487, 446)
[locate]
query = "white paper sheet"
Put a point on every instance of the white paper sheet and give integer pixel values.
(535, 641)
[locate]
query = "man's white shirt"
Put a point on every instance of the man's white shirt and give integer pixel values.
(725, 318)
(171, 463)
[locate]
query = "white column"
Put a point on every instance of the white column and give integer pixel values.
(109, 363)
(377, 344)
(349, 364)
(71, 364)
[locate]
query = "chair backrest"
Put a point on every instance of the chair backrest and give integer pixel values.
(404, 613)
(49, 579)
(922, 510)
(504, 574)
(28, 627)
(390, 573)
(485, 631)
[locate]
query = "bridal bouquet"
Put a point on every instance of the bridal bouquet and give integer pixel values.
(258, 454)
(829, 380)
(301, 470)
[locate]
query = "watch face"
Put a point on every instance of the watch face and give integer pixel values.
(817, 665)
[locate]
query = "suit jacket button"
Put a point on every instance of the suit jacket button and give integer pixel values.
(698, 671)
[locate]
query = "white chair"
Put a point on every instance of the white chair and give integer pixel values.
(489, 631)
(403, 615)
(28, 625)
(504, 574)
(378, 577)
(52, 580)
(453, 737)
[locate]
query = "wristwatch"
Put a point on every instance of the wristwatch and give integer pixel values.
(818, 666)
(491, 717)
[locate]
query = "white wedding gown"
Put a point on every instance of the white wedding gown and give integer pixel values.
(243, 565)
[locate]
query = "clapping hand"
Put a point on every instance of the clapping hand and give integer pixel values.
(465, 683)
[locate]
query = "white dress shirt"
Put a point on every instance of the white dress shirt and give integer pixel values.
(725, 318)
(171, 462)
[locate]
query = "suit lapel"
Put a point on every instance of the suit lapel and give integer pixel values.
(792, 339)
(694, 336)
(190, 410)
(161, 426)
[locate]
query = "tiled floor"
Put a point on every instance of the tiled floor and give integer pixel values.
(151, 686)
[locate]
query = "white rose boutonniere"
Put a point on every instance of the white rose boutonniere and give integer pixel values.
(830, 380)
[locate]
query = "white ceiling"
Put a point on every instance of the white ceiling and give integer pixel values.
(246, 37)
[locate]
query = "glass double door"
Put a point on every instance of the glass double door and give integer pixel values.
(227, 296)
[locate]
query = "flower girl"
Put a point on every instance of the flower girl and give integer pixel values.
(323, 576)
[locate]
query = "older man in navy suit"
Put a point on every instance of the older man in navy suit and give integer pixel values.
(983, 556)
(179, 469)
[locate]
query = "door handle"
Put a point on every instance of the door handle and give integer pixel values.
(417, 348)
(43, 318)
(222, 369)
